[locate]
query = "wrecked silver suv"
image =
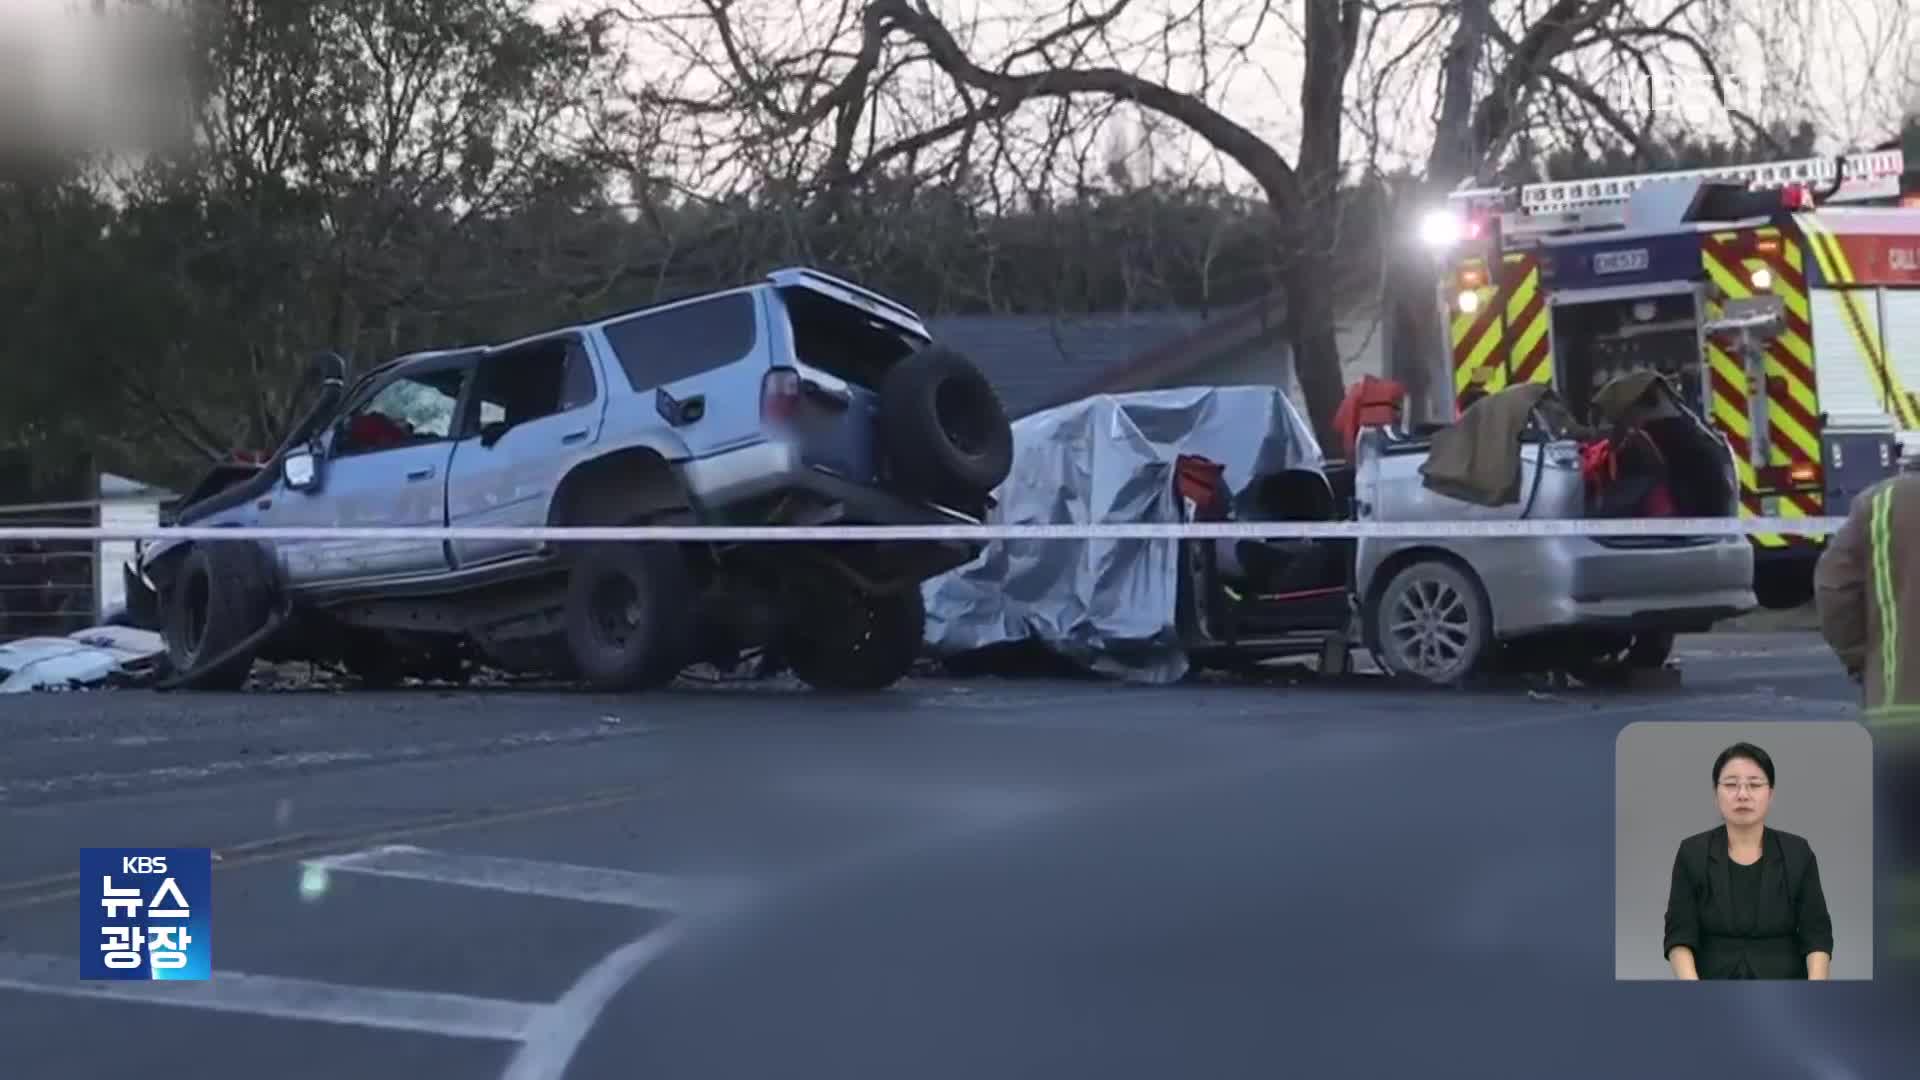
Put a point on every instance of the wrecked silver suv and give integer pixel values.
(801, 399)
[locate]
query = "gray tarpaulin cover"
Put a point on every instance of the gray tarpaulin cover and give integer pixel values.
(1108, 604)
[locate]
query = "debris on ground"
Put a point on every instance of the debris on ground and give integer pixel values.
(96, 656)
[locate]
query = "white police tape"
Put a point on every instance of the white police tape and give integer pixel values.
(1237, 530)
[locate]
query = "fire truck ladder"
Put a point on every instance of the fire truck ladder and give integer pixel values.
(1563, 206)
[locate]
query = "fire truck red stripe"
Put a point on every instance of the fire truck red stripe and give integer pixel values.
(1482, 321)
(1530, 364)
(1523, 367)
(1780, 398)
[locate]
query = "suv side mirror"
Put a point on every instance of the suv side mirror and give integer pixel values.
(301, 469)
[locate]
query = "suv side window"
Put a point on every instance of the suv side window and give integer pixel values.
(663, 346)
(409, 411)
(531, 382)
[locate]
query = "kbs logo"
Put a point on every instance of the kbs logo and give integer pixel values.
(146, 913)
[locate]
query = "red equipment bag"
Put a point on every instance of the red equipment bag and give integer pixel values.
(1600, 467)
(1370, 402)
(1202, 483)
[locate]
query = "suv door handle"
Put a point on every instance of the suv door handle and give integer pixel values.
(421, 474)
(574, 436)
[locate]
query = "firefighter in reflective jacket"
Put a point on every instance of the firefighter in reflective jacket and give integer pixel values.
(1867, 590)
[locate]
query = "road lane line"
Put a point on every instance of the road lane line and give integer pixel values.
(964, 801)
(557, 1032)
(54, 887)
(450, 1015)
(302, 761)
(530, 877)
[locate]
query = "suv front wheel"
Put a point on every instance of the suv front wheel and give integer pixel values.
(853, 641)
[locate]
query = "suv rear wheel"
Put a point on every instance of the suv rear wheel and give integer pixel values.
(626, 608)
(853, 641)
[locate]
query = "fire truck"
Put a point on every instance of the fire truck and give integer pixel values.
(1782, 299)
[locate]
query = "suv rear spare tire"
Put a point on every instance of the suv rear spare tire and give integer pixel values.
(221, 595)
(625, 610)
(943, 427)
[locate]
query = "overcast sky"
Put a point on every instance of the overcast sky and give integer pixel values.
(1848, 63)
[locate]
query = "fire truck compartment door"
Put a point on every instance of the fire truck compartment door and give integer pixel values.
(1842, 368)
(1900, 337)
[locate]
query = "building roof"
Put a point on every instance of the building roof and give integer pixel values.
(1038, 361)
(115, 486)
(1171, 362)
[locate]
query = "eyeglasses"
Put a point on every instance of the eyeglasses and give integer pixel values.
(1731, 786)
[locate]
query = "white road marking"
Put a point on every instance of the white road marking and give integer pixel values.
(550, 1046)
(967, 802)
(451, 1015)
(1748, 651)
(559, 1030)
(1734, 706)
(315, 759)
(529, 877)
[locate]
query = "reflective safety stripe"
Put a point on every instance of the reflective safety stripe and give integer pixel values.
(1505, 340)
(1789, 400)
(1894, 716)
(1881, 543)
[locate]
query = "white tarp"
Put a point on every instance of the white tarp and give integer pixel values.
(85, 658)
(1108, 605)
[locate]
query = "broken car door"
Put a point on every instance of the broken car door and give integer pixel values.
(536, 409)
(385, 467)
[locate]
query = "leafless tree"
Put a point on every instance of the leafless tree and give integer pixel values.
(1016, 109)
(842, 91)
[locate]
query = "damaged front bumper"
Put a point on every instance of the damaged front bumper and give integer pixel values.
(143, 599)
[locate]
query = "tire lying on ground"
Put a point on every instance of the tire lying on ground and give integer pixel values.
(222, 594)
(852, 641)
(627, 607)
(943, 428)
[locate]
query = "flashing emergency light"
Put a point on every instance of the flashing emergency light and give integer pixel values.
(1762, 279)
(1469, 301)
(1442, 229)
(1803, 473)
(1796, 197)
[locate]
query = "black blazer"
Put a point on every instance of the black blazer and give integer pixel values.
(1792, 916)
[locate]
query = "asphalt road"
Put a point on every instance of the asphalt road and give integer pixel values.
(954, 879)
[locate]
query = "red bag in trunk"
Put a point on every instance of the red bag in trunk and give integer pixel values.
(1600, 469)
